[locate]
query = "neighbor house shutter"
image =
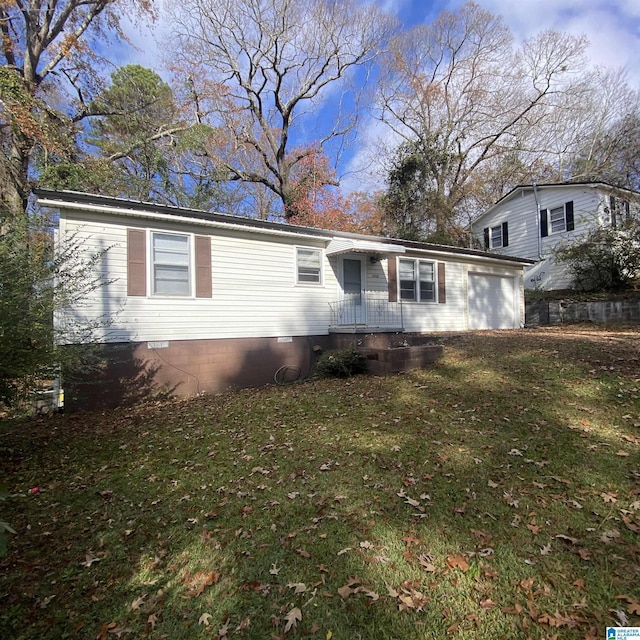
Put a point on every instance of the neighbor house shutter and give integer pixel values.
(568, 211)
(505, 234)
(204, 287)
(442, 288)
(612, 209)
(136, 262)
(486, 238)
(393, 279)
(544, 228)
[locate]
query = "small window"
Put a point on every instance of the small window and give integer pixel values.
(308, 266)
(557, 220)
(620, 211)
(496, 237)
(170, 264)
(417, 280)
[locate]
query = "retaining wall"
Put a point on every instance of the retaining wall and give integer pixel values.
(543, 312)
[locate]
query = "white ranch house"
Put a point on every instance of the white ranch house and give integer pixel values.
(204, 301)
(532, 221)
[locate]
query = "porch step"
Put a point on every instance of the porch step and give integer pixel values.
(382, 362)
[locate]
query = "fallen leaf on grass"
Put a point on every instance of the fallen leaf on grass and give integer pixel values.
(300, 587)
(204, 619)
(200, 581)
(488, 603)
(354, 585)
(633, 604)
(609, 535)
(152, 619)
(89, 560)
(293, 617)
(622, 453)
(425, 562)
(458, 562)
(120, 631)
(630, 524)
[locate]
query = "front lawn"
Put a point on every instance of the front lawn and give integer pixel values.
(495, 495)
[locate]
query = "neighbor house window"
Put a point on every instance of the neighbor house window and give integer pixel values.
(308, 266)
(417, 280)
(557, 220)
(496, 237)
(170, 264)
(620, 211)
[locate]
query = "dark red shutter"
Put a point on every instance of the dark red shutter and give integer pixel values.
(393, 279)
(136, 262)
(505, 234)
(204, 287)
(442, 287)
(487, 244)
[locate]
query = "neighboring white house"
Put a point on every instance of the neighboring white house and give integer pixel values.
(531, 221)
(202, 301)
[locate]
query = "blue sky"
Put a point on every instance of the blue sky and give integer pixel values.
(612, 27)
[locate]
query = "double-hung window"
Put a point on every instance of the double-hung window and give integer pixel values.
(308, 266)
(170, 264)
(557, 220)
(496, 237)
(417, 280)
(620, 211)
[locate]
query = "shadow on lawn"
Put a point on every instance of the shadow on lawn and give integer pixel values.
(312, 498)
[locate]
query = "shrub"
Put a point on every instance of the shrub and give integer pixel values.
(606, 260)
(342, 363)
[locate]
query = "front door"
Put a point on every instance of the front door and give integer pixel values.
(353, 290)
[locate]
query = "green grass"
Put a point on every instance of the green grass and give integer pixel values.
(495, 495)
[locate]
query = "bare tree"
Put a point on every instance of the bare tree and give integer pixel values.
(265, 67)
(471, 101)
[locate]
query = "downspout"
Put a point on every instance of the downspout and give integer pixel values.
(535, 196)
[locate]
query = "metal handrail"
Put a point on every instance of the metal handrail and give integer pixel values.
(371, 312)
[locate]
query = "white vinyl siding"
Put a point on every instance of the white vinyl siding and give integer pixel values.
(527, 237)
(255, 293)
(170, 264)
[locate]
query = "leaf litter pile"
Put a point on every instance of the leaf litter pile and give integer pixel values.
(494, 495)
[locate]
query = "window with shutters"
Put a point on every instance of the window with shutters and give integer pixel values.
(308, 265)
(620, 211)
(170, 264)
(161, 263)
(496, 237)
(417, 280)
(557, 219)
